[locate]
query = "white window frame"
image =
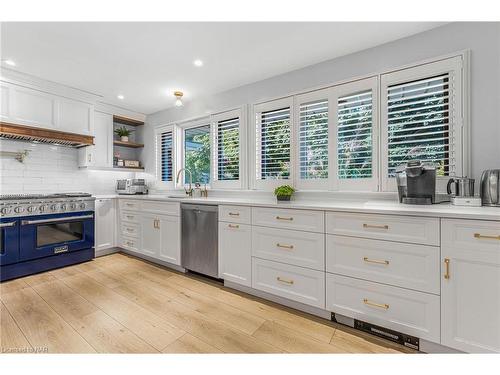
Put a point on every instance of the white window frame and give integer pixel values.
(453, 65)
(241, 114)
(270, 185)
(320, 183)
(182, 127)
(169, 185)
(359, 184)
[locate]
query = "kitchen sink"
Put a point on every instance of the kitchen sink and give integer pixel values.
(178, 196)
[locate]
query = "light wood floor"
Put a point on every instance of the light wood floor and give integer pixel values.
(121, 304)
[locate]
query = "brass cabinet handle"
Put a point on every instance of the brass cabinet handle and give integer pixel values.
(447, 268)
(374, 304)
(236, 226)
(157, 223)
(375, 226)
(129, 216)
(479, 236)
(129, 204)
(284, 280)
(284, 246)
(129, 243)
(284, 218)
(129, 229)
(368, 260)
(234, 214)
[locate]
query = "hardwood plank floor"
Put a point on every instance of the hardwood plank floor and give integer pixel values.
(121, 304)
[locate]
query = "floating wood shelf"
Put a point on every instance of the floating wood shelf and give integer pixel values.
(127, 121)
(128, 144)
(129, 169)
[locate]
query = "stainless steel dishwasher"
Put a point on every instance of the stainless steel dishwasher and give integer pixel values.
(199, 226)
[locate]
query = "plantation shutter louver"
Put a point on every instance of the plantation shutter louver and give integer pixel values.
(419, 124)
(273, 144)
(228, 149)
(166, 156)
(354, 135)
(313, 140)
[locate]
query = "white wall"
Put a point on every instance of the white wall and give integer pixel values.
(49, 169)
(482, 39)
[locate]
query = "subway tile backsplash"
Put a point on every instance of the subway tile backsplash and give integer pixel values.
(50, 168)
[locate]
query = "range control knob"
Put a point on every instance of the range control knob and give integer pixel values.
(63, 207)
(73, 206)
(31, 208)
(53, 207)
(18, 210)
(43, 208)
(5, 210)
(83, 206)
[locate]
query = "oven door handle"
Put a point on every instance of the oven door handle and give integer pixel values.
(6, 225)
(56, 220)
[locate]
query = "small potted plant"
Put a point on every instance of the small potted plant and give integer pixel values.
(123, 133)
(284, 192)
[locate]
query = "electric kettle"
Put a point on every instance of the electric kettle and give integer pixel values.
(490, 187)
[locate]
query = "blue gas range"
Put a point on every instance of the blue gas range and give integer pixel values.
(43, 232)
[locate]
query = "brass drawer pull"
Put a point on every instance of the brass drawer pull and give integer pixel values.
(374, 304)
(375, 226)
(129, 230)
(236, 226)
(130, 204)
(479, 235)
(234, 214)
(446, 268)
(368, 260)
(284, 280)
(284, 218)
(284, 246)
(129, 243)
(129, 217)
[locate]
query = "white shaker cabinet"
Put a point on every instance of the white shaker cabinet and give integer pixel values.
(105, 219)
(470, 285)
(161, 237)
(101, 153)
(235, 253)
(151, 235)
(75, 116)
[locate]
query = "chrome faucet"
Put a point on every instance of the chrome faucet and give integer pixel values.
(189, 191)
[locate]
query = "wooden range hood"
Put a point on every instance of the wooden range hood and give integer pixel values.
(48, 136)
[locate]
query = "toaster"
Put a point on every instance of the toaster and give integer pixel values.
(131, 186)
(490, 188)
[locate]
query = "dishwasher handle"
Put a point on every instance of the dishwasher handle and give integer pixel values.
(197, 208)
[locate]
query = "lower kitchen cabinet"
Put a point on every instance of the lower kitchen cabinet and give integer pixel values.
(105, 219)
(161, 237)
(470, 285)
(235, 253)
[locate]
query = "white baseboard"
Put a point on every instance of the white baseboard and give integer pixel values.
(110, 250)
(153, 260)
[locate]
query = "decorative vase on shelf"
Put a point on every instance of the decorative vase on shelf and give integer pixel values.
(124, 138)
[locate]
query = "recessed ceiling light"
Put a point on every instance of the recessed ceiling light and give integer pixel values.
(121, 97)
(10, 62)
(198, 62)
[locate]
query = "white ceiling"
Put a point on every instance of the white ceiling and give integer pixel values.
(146, 62)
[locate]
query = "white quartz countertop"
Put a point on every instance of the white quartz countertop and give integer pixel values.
(389, 207)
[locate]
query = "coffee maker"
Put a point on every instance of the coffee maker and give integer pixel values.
(417, 184)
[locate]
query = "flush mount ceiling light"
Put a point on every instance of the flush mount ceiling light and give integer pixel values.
(121, 97)
(198, 63)
(9, 62)
(178, 98)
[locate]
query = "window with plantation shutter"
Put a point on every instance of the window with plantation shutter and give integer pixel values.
(273, 123)
(313, 140)
(354, 135)
(228, 149)
(166, 163)
(422, 117)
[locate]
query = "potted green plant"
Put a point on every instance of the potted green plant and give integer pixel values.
(123, 133)
(284, 192)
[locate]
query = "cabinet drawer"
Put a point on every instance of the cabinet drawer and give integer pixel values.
(422, 230)
(311, 221)
(302, 249)
(296, 283)
(131, 217)
(399, 264)
(130, 243)
(402, 310)
(471, 234)
(235, 214)
(164, 208)
(130, 204)
(130, 230)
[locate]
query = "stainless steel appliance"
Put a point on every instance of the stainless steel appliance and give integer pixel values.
(199, 227)
(490, 188)
(131, 186)
(417, 184)
(460, 187)
(42, 232)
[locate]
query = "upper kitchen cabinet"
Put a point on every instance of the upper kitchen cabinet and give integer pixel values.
(100, 155)
(27, 106)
